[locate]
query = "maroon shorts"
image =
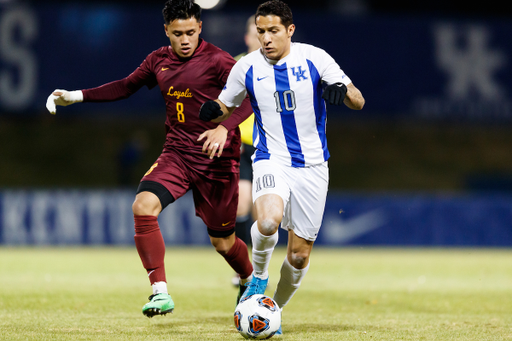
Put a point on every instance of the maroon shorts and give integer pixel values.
(214, 187)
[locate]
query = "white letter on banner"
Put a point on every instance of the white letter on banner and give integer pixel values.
(69, 222)
(172, 224)
(39, 207)
(120, 217)
(197, 233)
(472, 67)
(14, 208)
(18, 21)
(95, 212)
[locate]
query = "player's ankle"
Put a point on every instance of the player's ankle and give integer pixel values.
(262, 275)
(159, 288)
(243, 281)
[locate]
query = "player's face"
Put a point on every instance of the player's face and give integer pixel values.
(275, 39)
(184, 36)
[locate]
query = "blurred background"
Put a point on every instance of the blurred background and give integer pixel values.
(427, 162)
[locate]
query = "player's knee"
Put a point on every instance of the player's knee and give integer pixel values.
(299, 260)
(139, 208)
(221, 245)
(268, 226)
(221, 250)
(145, 207)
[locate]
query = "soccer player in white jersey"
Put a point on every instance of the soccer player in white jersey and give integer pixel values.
(284, 81)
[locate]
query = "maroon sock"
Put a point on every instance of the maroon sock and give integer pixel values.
(238, 259)
(151, 247)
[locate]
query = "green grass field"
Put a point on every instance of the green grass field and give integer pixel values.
(348, 294)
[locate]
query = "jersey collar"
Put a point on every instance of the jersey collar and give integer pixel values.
(200, 47)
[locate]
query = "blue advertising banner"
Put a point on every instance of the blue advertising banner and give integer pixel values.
(419, 67)
(97, 217)
(418, 220)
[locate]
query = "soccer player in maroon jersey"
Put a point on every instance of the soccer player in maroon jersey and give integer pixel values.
(189, 72)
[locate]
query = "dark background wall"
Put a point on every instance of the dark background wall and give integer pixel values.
(418, 131)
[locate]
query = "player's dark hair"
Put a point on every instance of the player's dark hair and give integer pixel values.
(181, 9)
(277, 8)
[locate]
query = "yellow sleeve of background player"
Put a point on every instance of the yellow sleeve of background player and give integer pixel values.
(238, 56)
(246, 128)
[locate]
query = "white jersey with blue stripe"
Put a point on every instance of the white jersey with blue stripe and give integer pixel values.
(286, 98)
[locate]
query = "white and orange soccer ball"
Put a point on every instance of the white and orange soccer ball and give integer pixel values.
(257, 317)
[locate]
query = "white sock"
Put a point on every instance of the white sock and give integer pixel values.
(245, 280)
(289, 282)
(159, 287)
(262, 248)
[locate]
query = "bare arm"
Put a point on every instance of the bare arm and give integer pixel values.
(354, 98)
(226, 112)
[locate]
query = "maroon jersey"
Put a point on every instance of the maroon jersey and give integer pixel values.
(185, 85)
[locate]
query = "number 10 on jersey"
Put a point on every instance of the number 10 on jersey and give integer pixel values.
(285, 99)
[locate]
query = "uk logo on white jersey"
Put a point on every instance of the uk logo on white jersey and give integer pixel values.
(299, 73)
(286, 98)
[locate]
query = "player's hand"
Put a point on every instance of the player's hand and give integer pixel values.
(335, 93)
(215, 140)
(63, 98)
(210, 110)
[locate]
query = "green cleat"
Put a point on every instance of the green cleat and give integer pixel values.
(159, 304)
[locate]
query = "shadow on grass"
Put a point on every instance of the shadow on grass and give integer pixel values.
(177, 323)
(292, 329)
(321, 328)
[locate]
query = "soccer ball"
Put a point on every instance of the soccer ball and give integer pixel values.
(257, 317)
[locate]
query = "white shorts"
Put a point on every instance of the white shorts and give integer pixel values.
(303, 190)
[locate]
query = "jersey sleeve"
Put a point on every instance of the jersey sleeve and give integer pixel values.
(234, 91)
(125, 87)
(243, 109)
(224, 64)
(330, 71)
(239, 115)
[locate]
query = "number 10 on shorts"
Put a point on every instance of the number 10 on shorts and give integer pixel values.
(266, 181)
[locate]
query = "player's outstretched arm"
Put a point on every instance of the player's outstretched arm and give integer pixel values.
(339, 93)
(226, 112)
(335, 93)
(63, 98)
(215, 111)
(354, 98)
